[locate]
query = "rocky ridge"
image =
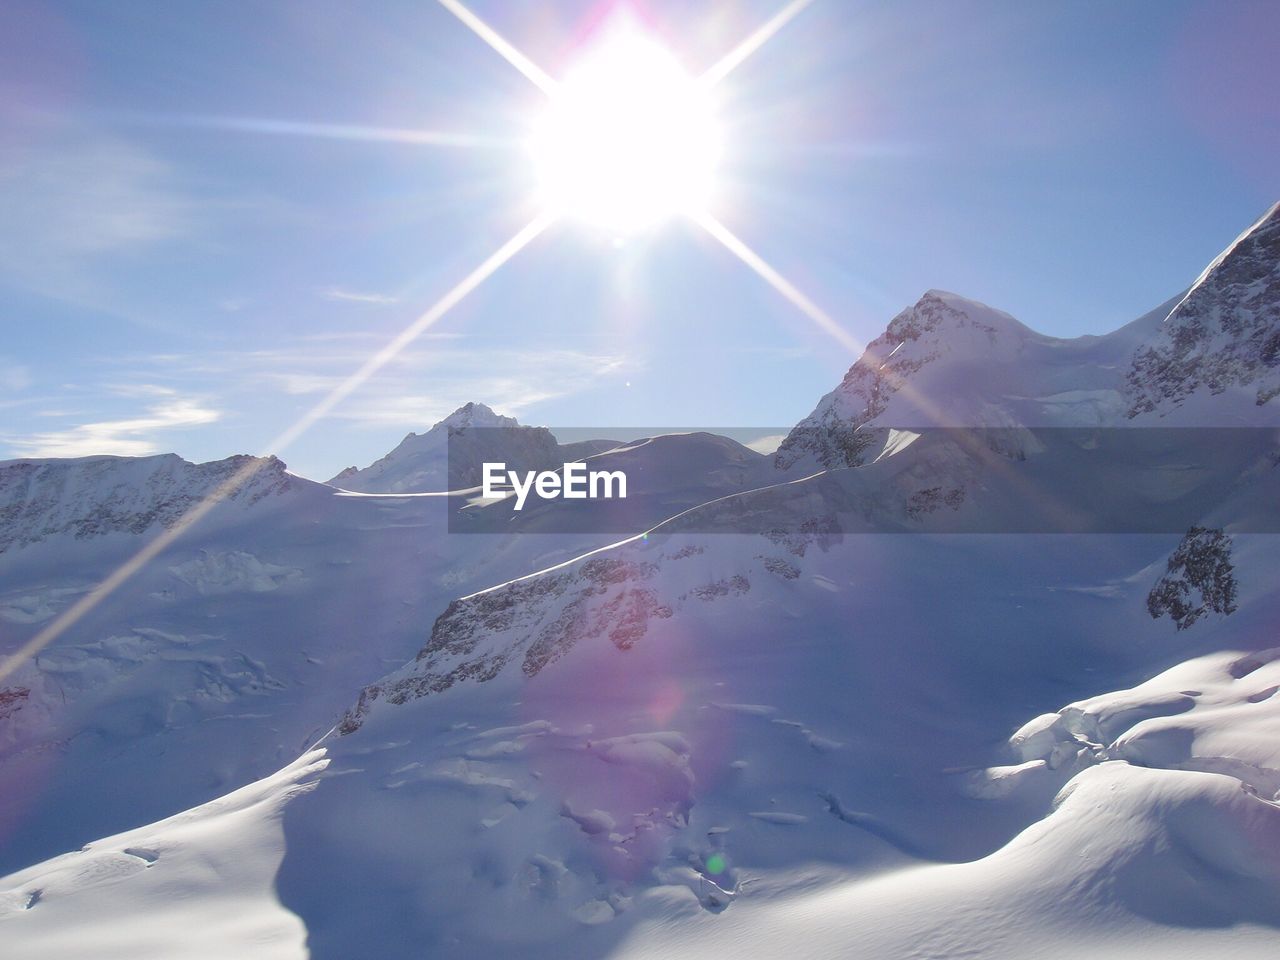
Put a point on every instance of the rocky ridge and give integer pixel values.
(95, 496)
(1224, 334)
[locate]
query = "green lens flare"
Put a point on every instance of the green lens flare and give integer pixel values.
(715, 863)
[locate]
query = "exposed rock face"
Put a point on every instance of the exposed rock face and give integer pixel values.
(94, 496)
(737, 584)
(926, 501)
(831, 434)
(941, 329)
(1225, 333)
(12, 699)
(781, 568)
(1201, 565)
(534, 621)
(822, 532)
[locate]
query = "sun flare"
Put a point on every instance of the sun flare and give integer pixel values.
(627, 138)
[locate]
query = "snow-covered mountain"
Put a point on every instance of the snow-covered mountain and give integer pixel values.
(473, 434)
(730, 729)
(98, 496)
(1219, 350)
(952, 362)
(223, 657)
(1209, 357)
(799, 740)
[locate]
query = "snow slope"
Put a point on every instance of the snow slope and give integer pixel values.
(825, 736)
(800, 715)
(1132, 863)
(203, 880)
(801, 741)
(220, 660)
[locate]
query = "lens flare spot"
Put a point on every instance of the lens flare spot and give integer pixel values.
(666, 701)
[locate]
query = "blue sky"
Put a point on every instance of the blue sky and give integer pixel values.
(170, 281)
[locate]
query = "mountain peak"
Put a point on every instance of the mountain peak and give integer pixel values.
(943, 334)
(474, 414)
(960, 302)
(471, 435)
(943, 313)
(99, 495)
(1223, 337)
(950, 361)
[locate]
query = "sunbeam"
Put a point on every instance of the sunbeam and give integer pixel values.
(430, 317)
(824, 320)
(121, 574)
(539, 77)
(779, 283)
(487, 268)
(442, 306)
(758, 38)
(337, 131)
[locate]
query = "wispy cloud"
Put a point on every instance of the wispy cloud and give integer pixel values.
(352, 296)
(81, 197)
(75, 207)
(417, 388)
(767, 444)
(14, 377)
(373, 338)
(423, 386)
(163, 393)
(132, 436)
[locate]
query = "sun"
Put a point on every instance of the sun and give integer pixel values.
(627, 139)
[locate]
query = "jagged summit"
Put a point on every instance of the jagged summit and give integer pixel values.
(1222, 339)
(1210, 357)
(474, 433)
(470, 414)
(99, 495)
(945, 361)
(475, 415)
(940, 310)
